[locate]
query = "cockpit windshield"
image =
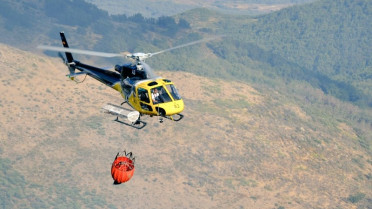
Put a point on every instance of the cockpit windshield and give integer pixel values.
(173, 91)
(160, 95)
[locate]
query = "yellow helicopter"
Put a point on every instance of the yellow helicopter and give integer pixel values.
(141, 88)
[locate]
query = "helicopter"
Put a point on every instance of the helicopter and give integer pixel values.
(144, 91)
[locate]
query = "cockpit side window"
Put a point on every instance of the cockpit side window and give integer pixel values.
(173, 91)
(143, 95)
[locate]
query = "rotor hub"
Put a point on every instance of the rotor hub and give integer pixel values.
(139, 56)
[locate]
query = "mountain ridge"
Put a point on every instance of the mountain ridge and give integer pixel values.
(156, 8)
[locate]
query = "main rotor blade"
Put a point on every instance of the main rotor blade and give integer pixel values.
(79, 51)
(184, 45)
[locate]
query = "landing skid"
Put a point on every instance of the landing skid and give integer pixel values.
(176, 117)
(133, 117)
(139, 124)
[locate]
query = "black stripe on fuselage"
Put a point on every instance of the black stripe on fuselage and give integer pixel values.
(105, 76)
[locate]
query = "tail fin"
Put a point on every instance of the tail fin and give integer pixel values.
(65, 44)
(70, 59)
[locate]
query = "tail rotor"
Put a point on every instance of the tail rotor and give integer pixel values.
(70, 66)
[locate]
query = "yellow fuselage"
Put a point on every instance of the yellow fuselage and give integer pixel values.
(140, 97)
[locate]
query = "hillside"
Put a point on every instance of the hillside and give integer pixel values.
(239, 146)
(328, 37)
(266, 126)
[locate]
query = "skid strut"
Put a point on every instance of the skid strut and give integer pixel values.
(120, 112)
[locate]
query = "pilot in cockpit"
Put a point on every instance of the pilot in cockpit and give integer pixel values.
(155, 96)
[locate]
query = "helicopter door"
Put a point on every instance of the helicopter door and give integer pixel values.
(144, 98)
